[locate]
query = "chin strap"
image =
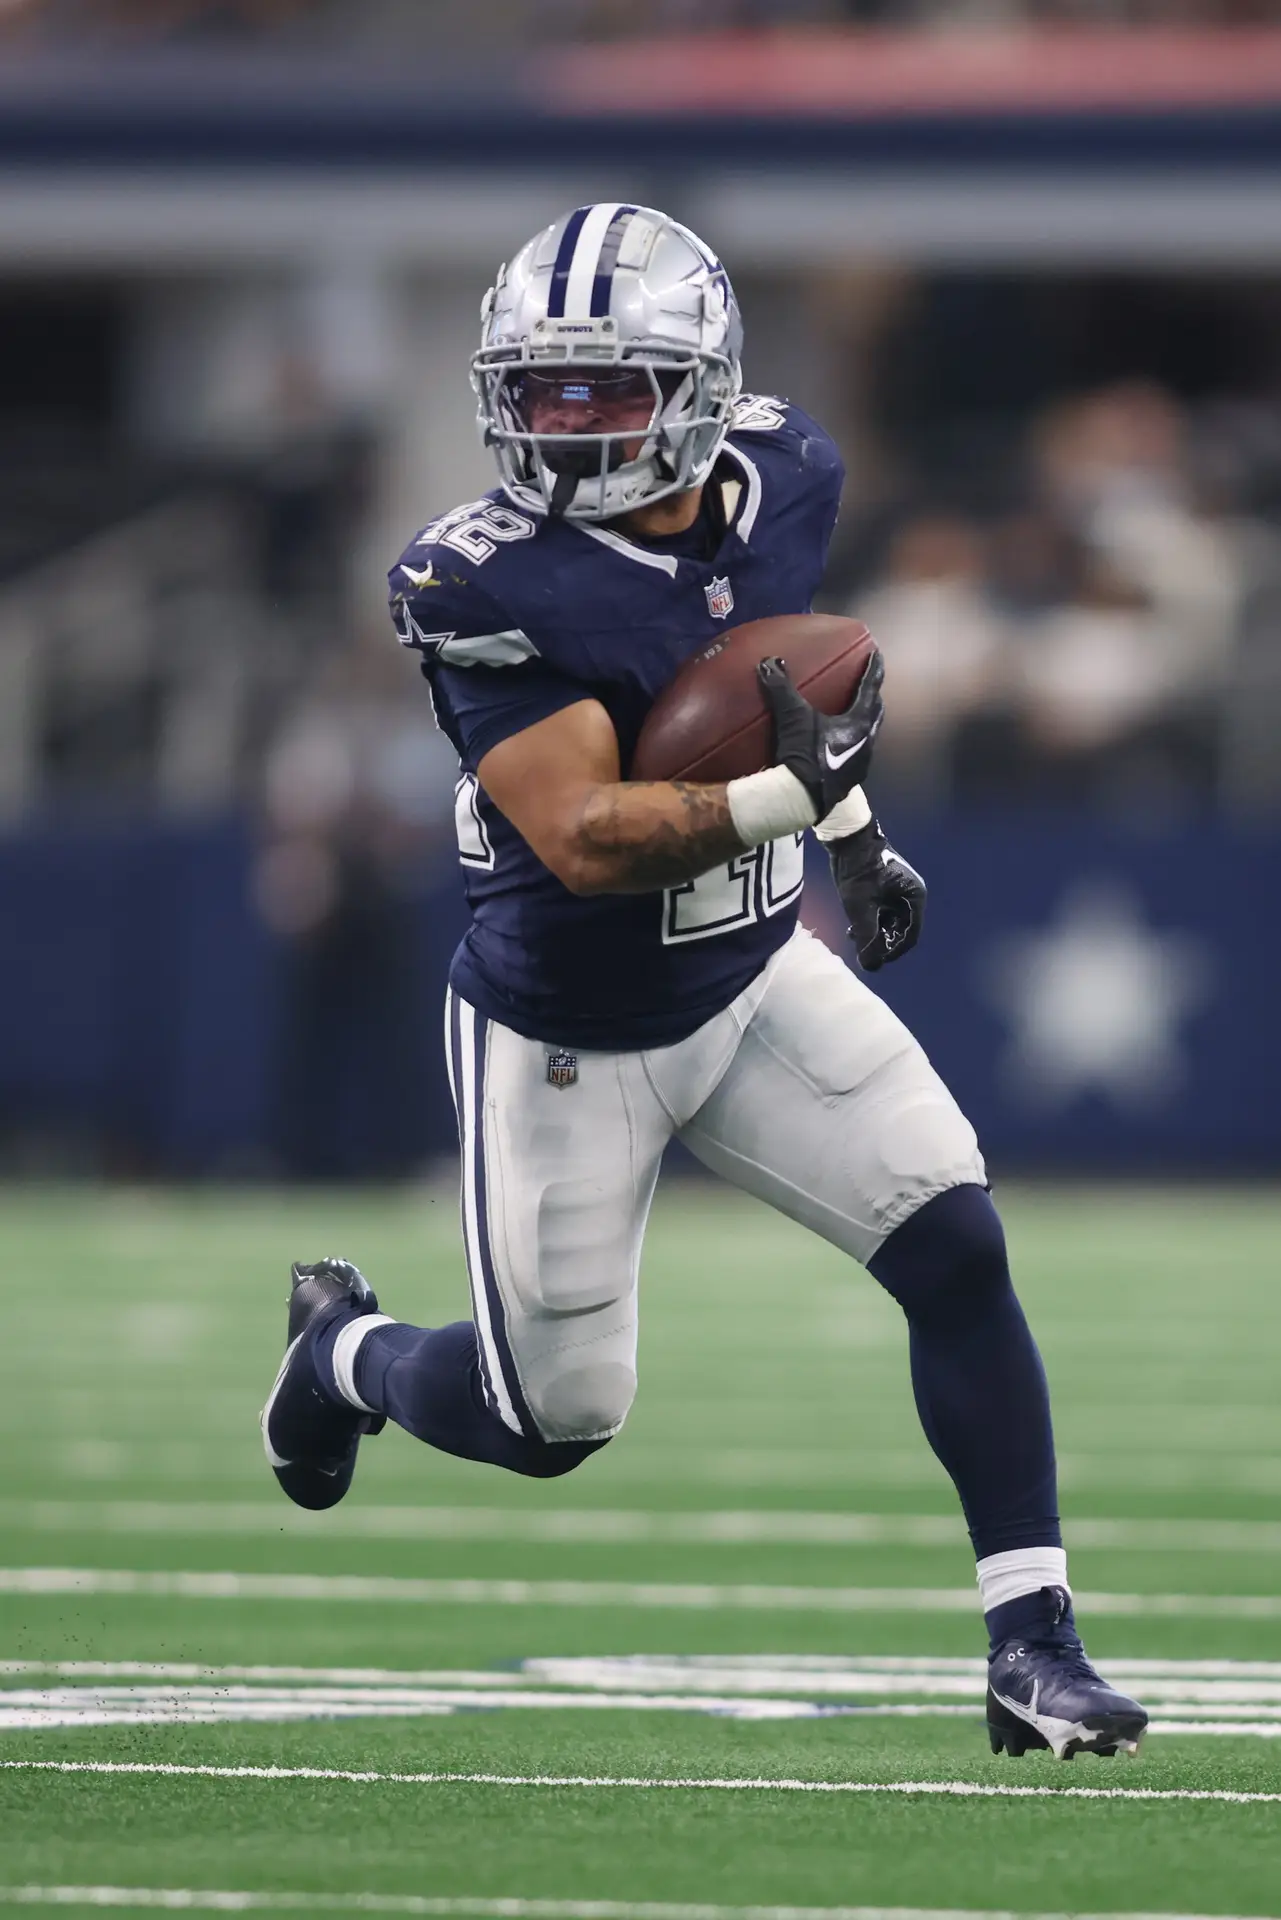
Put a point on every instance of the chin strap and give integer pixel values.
(563, 493)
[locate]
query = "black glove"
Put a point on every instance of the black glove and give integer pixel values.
(883, 896)
(828, 753)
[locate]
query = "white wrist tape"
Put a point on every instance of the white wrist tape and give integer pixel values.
(765, 806)
(849, 815)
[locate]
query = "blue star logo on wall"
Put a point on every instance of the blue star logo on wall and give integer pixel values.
(1095, 1002)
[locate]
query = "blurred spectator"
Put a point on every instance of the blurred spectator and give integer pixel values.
(358, 799)
(1080, 647)
(934, 618)
(1115, 468)
(134, 21)
(532, 22)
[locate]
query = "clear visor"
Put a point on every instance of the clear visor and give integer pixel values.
(588, 401)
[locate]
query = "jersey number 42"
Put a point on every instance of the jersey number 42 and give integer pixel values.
(751, 887)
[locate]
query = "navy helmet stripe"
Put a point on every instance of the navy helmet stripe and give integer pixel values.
(607, 260)
(564, 261)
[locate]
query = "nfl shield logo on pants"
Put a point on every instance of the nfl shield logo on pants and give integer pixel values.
(562, 1069)
(720, 598)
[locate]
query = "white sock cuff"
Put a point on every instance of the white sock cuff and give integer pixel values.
(346, 1346)
(1007, 1576)
(764, 806)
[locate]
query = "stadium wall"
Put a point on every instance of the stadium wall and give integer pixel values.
(1095, 1004)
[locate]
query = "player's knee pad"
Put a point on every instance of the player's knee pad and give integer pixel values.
(947, 1262)
(587, 1400)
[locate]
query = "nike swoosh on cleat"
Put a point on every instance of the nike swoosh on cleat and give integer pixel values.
(1057, 1732)
(835, 760)
(273, 1458)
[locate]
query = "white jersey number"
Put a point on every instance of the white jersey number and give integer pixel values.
(758, 413)
(475, 849)
(751, 887)
(478, 529)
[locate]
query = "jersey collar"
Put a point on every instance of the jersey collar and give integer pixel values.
(741, 523)
(665, 562)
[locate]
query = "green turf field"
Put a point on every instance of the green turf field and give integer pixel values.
(761, 1584)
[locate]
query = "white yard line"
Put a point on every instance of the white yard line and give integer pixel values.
(958, 1789)
(204, 1900)
(1232, 1702)
(23, 1710)
(41, 1713)
(729, 1527)
(698, 1597)
(733, 1672)
(708, 1683)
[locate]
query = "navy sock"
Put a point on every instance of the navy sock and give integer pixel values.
(428, 1381)
(1045, 1615)
(979, 1384)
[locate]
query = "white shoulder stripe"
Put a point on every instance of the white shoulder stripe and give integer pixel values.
(747, 518)
(505, 649)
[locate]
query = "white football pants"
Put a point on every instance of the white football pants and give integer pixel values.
(807, 1091)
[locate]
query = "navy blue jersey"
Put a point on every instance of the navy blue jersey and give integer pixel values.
(517, 617)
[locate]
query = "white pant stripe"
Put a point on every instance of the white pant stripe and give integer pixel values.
(449, 1052)
(471, 1132)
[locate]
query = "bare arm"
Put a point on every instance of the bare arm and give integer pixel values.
(559, 783)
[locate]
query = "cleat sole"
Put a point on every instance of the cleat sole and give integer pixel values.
(1008, 1734)
(1015, 1738)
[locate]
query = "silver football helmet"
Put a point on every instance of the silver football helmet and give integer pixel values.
(608, 363)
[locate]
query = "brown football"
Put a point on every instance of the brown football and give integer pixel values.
(711, 722)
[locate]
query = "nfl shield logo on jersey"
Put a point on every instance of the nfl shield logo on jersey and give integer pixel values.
(562, 1069)
(720, 598)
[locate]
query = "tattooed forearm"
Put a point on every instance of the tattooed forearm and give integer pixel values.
(638, 836)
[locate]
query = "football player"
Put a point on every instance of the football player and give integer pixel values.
(634, 969)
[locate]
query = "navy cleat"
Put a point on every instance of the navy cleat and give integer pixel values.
(311, 1438)
(1043, 1692)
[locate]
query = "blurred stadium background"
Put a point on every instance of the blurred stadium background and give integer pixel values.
(1023, 257)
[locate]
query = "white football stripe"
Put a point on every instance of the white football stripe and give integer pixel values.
(723, 1687)
(208, 1900)
(1232, 1688)
(697, 1597)
(957, 1789)
(794, 1667)
(28, 1709)
(595, 1526)
(638, 1669)
(41, 1715)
